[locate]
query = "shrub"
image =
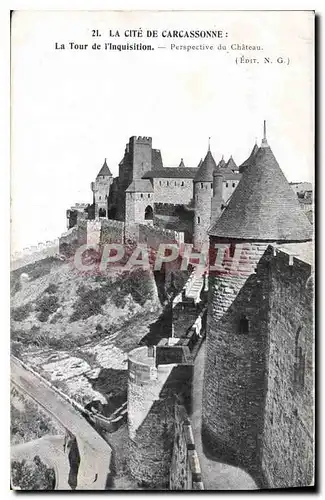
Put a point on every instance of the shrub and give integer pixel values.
(32, 476)
(21, 313)
(47, 305)
(136, 283)
(52, 288)
(89, 303)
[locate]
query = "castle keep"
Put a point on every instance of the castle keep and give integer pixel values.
(148, 193)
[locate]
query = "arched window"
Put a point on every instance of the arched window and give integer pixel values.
(148, 213)
(202, 185)
(102, 212)
(141, 195)
(243, 325)
(182, 183)
(233, 184)
(198, 220)
(226, 184)
(299, 365)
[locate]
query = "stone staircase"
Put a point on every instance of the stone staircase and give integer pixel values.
(194, 286)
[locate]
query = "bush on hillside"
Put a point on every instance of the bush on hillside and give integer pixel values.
(32, 475)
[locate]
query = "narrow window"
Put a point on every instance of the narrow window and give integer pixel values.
(211, 185)
(182, 183)
(167, 183)
(175, 183)
(202, 185)
(198, 220)
(148, 195)
(299, 365)
(243, 325)
(159, 183)
(226, 184)
(233, 184)
(100, 197)
(141, 195)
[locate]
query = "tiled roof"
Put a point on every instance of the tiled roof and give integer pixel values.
(263, 206)
(140, 185)
(205, 171)
(156, 159)
(171, 173)
(104, 171)
(248, 161)
(231, 165)
(222, 163)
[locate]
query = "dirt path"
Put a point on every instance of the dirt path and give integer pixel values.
(95, 453)
(215, 475)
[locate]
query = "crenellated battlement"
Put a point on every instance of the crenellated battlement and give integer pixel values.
(31, 254)
(141, 140)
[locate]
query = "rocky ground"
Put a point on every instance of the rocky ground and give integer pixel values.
(76, 329)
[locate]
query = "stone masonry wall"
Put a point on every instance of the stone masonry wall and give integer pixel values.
(34, 253)
(288, 427)
(112, 231)
(235, 365)
(171, 190)
(153, 236)
(151, 397)
(185, 470)
(253, 416)
(202, 218)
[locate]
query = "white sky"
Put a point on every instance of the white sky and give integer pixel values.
(71, 109)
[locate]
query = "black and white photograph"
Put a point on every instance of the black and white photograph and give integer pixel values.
(162, 274)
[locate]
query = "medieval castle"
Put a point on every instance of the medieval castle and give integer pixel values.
(255, 401)
(183, 199)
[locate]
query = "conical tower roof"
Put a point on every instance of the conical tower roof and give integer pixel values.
(104, 171)
(263, 206)
(205, 172)
(249, 159)
(231, 165)
(222, 163)
(218, 170)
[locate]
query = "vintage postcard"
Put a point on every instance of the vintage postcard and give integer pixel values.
(162, 259)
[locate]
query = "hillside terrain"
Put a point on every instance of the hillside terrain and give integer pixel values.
(76, 329)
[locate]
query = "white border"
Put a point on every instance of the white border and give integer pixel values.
(5, 7)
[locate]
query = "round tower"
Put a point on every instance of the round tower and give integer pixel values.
(217, 198)
(150, 418)
(101, 188)
(262, 211)
(203, 188)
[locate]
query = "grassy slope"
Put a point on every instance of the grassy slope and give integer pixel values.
(60, 308)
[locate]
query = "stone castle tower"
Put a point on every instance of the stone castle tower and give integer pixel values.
(135, 194)
(101, 188)
(263, 210)
(203, 187)
(217, 194)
